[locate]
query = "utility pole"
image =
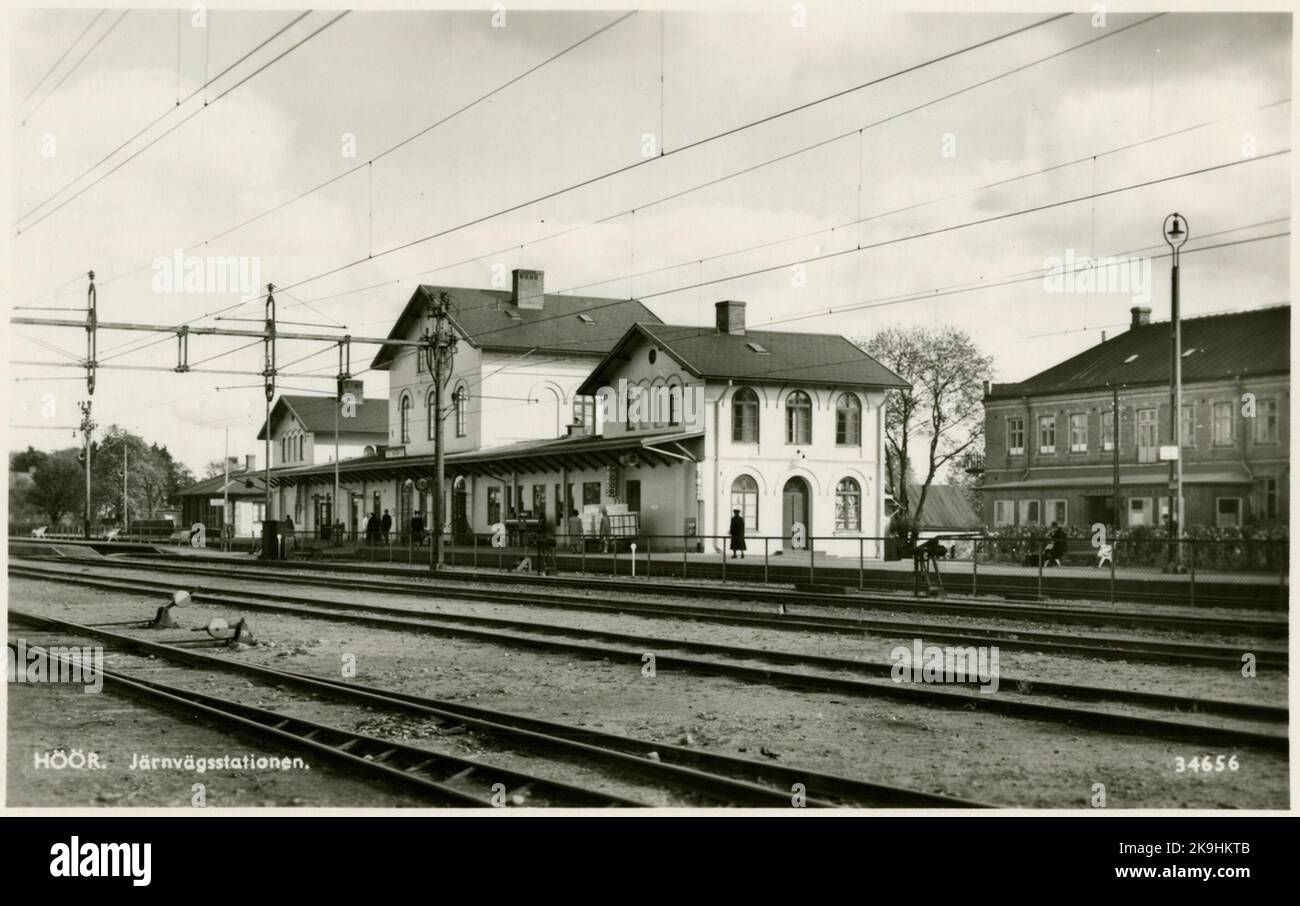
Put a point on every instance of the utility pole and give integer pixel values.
(126, 513)
(1175, 235)
(268, 377)
(225, 488)
(439, 350)
(87, 427)
(345, 366)
(1114, 447)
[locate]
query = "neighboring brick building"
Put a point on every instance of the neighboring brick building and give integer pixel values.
(1049, 445)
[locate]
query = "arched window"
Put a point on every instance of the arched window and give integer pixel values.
(744, 417)
(406, 418)
(848, 421)
(431, 410)
(798, 418)
(848, 506)
(462, 403)
(744, 497)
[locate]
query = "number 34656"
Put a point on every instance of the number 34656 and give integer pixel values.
(1205, 764)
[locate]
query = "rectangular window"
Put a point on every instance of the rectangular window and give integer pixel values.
(1266, 429)
(633, 496)
(1188, 427)
(1079, 432)
(1108, 430)
(1268, 498)
(1223, 424)
(590, 493)
(1139, 511)
(1031, 512)
(1227, 511)
(1047, 434)
(1056, 512)
(584, 411)
(419, 361)
(1004, 512)
(1016, 436)
(1147, 437)
(493, 505)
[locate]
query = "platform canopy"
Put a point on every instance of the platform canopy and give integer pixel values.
(571, 453)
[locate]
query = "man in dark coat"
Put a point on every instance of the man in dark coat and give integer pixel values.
(1060, 544)
(372, 530)
(417, 529)
(386, 524)
(737, 533)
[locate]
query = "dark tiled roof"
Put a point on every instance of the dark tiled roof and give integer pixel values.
(484, 318)
(946, 507)
(1246, 343)
(239, 485)
(811, 358)
(317, 415)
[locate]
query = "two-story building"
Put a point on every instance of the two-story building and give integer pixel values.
(1058, 443)
(559, 404)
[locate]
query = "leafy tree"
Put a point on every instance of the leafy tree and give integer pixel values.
(943, 412)
(28, 459)
(58, 485)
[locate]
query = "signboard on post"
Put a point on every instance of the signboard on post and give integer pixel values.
(351, 394)
(1168, 453)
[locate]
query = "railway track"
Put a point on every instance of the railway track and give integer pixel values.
(1129, 649)
(764, 666)
(1058, 614)
(721, 779)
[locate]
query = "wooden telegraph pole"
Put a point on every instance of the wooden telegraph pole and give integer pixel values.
(439, 350)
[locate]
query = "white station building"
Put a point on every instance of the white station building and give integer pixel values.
(680, 425)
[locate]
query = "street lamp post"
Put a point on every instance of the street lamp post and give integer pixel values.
(1175, 231)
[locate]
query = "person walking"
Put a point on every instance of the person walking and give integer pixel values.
(386, 524)
(604, 530)
(737, 533)
(372, 530)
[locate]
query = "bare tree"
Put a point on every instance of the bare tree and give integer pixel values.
(943, 413)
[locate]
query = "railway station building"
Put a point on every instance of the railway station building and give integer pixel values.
(560, 403)
(1057, 442)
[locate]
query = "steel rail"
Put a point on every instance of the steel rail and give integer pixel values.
(1144, 650)
(443, 778)
(723, 778)
(962, 607)
(925, 693)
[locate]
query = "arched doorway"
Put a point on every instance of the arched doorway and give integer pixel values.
(796, 506)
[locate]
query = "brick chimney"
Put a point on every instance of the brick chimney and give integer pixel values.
(528, 289)
(1141, 315)
(730, 317)
(250, 463)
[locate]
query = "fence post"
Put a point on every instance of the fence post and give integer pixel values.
(812, 561)
(685, 544)
(613, 561)
(1040, 568)
(1191, 568)
(475, 543)
(724, 561)
(974, 567)
(1281, 573)
(861, 563)
(765, 549)
(1114, 555)
(583, 550)
(648, 539)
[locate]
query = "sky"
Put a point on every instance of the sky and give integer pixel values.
(901, 170)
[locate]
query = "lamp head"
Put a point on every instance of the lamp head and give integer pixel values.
(1175, 230)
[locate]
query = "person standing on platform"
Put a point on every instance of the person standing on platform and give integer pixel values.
(604, 529)
(737, 533)
(386, 524)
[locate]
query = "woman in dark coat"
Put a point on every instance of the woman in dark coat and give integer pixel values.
(737, 533)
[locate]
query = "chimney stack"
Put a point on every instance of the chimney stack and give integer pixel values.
(1141, 315)
(527, 289)
(730, 317)
(250, 463)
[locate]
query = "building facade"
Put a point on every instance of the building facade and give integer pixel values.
(559, 405)
(1059, 443)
